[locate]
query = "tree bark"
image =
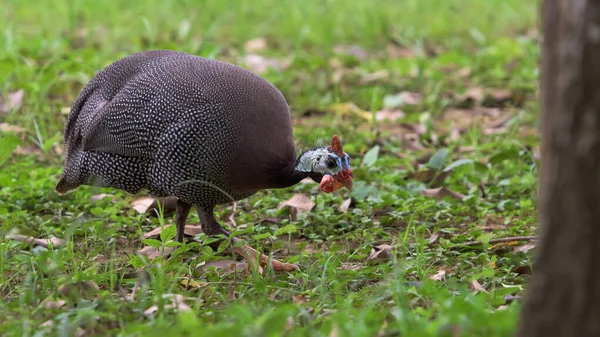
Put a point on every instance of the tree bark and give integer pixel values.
(564, 295)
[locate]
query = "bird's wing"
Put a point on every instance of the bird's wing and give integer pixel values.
(119, 128)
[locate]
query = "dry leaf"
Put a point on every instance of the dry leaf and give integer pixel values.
(376, 76)
(151, 205)
(177, 303)
(389, 114)
(496, 97)
(47, 324)
(58, 149)
(13, 101)
(152, 252)
(380, 252)
(395, 52)
(189, 230)
(298, 201)
(5, 127)
(28, 150)
(254, 45)
(83, 289)
(260, 64)
(441, 192)
(350, 202)
(464, 72)
(37, 242)
(353, 50)
(351, 266)
(410, 98)
(433, 238)
(502, 307)
(473, 95)
(439, 276)
(269, 220)
(476, 286)
(53, 304)
(299, 299)
(525, 248)
(227, 266)
(99, 197)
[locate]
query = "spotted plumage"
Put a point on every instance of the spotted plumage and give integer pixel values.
(179, 125)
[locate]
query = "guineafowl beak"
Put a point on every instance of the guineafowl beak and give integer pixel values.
(333, 183)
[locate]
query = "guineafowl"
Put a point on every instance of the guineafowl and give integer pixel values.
(201, 130)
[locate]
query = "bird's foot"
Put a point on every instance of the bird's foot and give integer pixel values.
(251, 254)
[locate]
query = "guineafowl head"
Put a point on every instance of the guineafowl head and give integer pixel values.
(329, 166)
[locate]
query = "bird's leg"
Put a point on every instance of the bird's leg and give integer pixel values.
(210, 226)
(182, 209)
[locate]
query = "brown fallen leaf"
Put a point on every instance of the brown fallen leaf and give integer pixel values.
(176, 303)
(227, 266)
(56, 242)
(379, 75)
(351, 266)
(472, 96)
(189, 230)
(347, 204)
(260, 64)
(101, 196)
(380, 252)
(525, 248)
(495, 97)
(270, 220)
(389, 114)
(476, 286)
(433, 238)
(298, 201)
(396, 52)
(410, 98)
(12, 101)
(441, 192)
(464, 72)
(28, 150)
(299, 299)
(5, 127)
(353, 50)
(254, 45)
(53, 304)
(152, 252)
(439, 276)
(151, 205)
(81, 289)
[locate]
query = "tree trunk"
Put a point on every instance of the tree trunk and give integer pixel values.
(564, 294)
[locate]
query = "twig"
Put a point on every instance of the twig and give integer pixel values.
(514, 238)
(232, 216)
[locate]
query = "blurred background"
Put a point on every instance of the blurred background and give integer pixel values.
(316, 52)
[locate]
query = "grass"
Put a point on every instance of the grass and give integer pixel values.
(338, 52)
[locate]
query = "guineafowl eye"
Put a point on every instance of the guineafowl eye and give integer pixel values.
(331, 164)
